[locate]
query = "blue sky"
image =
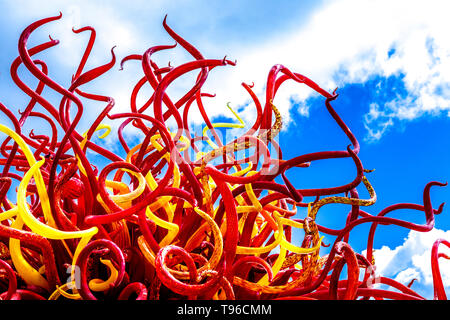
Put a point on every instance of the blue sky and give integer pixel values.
(391, 62)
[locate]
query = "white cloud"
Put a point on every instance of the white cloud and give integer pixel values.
(412, 260)
(348, 41)
(407, 275)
